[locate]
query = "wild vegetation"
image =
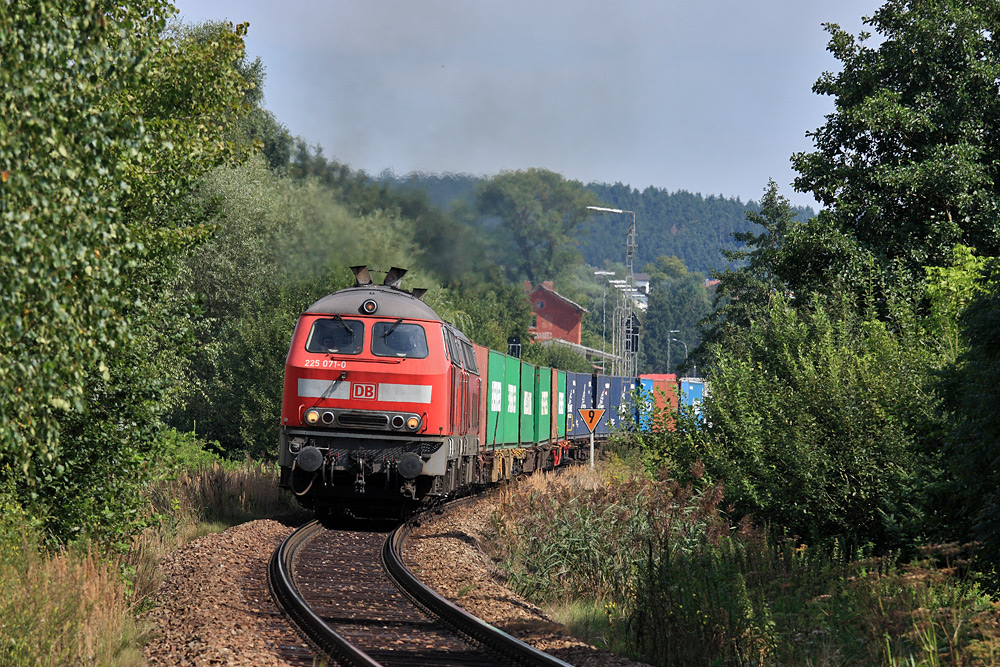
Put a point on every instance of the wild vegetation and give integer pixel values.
(655, 569)
(78, 603)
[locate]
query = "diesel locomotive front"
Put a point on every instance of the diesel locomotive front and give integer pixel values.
(377, 404)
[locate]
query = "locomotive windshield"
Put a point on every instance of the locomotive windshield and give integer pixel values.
(395, 339)
(336, 335)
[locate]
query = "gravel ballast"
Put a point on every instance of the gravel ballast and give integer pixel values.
(214, 608)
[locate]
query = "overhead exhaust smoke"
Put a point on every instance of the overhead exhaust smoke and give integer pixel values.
(394, 277)
(361, 276)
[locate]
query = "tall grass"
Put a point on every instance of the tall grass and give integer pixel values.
(676, 584)
(83, 604)
(66, 608)
(224, 493)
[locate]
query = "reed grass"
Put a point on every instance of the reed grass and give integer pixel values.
(226, 494)
(83, 604)
(655, 570)
(62, 607)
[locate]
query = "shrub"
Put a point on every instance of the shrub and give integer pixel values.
(823, 426)
(63, 607)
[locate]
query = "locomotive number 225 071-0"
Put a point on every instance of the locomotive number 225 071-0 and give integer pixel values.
(325, 363)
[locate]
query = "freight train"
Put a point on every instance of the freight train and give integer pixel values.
(386, 405)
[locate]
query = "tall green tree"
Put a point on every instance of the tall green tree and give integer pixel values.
(104, 122)
(539, 211)
(760, 272)
(908, 164)
(493, 311)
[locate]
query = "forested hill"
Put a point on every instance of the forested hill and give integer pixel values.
(683, 224)
(690, 226)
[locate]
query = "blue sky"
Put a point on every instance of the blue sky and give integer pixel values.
(710, 97)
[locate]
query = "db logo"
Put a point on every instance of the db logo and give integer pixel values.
(360, 390)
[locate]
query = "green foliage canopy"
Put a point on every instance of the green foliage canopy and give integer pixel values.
(971, 392)
(65, 167)
(823, 425)
(908, 164)
(103, 121)
(765, 267)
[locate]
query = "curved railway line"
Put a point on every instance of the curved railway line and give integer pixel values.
(350, 594)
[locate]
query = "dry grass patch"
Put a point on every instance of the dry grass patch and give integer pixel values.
(66, 608)
(79, 605)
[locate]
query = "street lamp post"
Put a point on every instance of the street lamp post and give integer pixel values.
(678, 340)
(604, 318)
(631, 363)
(670, 333)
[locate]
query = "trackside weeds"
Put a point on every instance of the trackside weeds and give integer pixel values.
(82, 604)
(648, 568)
(654, 570)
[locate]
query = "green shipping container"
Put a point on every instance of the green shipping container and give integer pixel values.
(495, 392)
(527, 405)
(512, 400)
(561, 405)
(543, 404)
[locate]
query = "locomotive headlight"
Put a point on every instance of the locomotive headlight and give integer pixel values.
(312, 417)
(413, 423)
(369, 306)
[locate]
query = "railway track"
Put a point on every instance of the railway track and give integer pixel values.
(349, 592)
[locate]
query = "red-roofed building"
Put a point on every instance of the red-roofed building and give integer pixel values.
(555, 315)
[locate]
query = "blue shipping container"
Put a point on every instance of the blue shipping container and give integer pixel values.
(693, 393)
(583, 399)
(602, 400)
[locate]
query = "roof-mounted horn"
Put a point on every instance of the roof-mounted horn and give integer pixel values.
(361, 276)
(419, 292)
(394, 277)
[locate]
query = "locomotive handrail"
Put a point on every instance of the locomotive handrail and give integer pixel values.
(279, 579)
(475, 628)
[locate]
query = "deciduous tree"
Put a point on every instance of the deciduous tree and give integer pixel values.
(908, 164)
(538, 210)
(104, 123)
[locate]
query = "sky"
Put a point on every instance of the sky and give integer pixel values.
(707, 96)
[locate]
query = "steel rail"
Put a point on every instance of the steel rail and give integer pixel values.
(451, 614)
(315, 629)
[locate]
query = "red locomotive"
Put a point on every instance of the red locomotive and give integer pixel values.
(380, 400)
(384, 405)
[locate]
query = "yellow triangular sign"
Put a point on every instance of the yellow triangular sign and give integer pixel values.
(591, 416)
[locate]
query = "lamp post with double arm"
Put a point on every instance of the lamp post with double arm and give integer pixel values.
(630, 362)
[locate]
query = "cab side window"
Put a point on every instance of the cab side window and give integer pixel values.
(470, 357)
(453, 349)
